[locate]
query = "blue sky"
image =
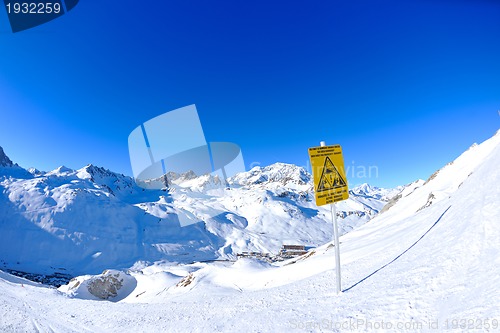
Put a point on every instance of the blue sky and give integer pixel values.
(403, 86)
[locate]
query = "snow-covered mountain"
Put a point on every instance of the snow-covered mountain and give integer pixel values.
(87, 220)
(4, 159)
(430, 262)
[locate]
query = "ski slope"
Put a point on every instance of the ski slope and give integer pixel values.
(429, 263)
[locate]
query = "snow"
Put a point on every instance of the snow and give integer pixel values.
(415, 267)
(84, 221)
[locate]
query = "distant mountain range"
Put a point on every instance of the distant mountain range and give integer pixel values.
(86, 220)
(430, 258)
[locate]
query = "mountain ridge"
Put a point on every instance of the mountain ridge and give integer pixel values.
(4, 159)
(100, 218)
(417, 268)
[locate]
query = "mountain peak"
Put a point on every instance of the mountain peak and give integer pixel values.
(278, 172)
(60, 171)
(364, 188)
(4, 159)
(93, 170)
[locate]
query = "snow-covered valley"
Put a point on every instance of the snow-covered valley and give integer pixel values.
(429, 262)
(87, 220)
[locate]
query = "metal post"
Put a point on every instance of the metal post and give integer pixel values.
(336, 240)
(337, 246)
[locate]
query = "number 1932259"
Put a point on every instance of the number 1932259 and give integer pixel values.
(472, 324)
(33, 8)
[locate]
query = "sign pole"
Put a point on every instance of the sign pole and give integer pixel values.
(337, 246)
(335, 239)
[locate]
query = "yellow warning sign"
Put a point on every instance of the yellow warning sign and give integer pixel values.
(327, 165)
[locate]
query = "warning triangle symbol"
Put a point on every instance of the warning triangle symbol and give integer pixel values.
(330, 177)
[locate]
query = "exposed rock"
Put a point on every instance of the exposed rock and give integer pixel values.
(4, 159)
(391, 203)
(430, 200)
(186, 281)
(106, 285)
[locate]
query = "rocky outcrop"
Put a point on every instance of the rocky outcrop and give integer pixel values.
(107, 285)
(4, 159)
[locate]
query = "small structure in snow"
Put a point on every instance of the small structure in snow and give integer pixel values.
(286, 252)
(290, 251)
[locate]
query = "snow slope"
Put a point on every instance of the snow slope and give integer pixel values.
(429, 263)
(84, 221)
